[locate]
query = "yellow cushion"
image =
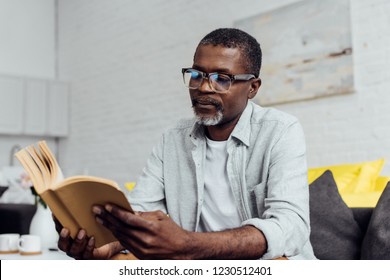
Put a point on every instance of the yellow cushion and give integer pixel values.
(366, 179)
(359, 184)
(343, 174)
(347, 174)
(369, 199)
(381, 183)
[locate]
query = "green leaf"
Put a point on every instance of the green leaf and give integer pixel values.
(38, 199)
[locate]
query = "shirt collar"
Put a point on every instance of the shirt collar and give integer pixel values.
(197, 132)
(241, 131)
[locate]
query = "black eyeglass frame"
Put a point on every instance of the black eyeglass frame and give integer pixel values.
(237, 77)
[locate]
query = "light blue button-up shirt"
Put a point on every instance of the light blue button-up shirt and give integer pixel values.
(267, 172)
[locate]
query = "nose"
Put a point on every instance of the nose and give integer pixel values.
(205, 86)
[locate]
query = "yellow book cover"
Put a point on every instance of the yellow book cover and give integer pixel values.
(71, 199)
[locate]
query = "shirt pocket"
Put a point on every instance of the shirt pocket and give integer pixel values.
(257, 195)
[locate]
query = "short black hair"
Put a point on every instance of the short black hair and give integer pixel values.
(236, 38)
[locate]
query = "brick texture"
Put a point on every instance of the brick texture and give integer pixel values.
(123, 60)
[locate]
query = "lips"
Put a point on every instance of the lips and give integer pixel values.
(206, 103)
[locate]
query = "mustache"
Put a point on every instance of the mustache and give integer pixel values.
(206, 101)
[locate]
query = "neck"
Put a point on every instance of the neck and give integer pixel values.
(221, 132)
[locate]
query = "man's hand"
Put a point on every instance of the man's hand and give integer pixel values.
(83, 247)
(153, 235)
(148, 235)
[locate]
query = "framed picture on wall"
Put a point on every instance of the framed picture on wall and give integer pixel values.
(307, 50)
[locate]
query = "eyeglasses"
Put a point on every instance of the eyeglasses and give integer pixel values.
(218, 82)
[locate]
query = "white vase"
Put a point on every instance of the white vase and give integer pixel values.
(42, 224)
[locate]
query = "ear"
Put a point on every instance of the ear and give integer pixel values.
(254, 87)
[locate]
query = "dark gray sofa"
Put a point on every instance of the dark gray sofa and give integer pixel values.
(16, 218)
(339, 232)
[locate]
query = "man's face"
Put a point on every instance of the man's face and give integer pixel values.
(220, 108)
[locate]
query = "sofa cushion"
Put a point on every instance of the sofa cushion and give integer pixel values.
(334, 232)
(361, 200)
(376, 243)
(362, 217)
(353, 176)
(357, 183)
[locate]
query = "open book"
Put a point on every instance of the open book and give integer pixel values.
(70, 199)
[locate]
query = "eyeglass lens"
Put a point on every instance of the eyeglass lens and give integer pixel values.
(218, 82)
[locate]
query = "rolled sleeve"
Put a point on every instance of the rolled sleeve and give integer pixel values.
(273, 234)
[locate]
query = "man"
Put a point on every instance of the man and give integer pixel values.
(233, 180)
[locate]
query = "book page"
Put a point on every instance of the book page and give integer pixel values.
(57, 175)
(40, 163)
(32, 170)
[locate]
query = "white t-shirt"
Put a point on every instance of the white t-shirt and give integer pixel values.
(219, 210)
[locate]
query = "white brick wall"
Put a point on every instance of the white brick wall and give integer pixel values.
(355, 127)
(26, 50)
(27, 38)
(108, 50)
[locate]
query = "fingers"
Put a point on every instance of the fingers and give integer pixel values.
(79, 245)
(154, 216)
(115, 217)
(80, 248)
(138, 219)
(64, 241)
(88, 252)
(139, 232)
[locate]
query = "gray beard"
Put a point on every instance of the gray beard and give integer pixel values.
(209, 121)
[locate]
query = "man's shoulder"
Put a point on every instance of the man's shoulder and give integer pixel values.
(181, 126)
(261, 115)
